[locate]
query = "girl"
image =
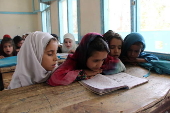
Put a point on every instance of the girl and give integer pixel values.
(7, 48)
(84, 63)
(69, 44)
(115, 42)
(36, 59)
(18, 42)
(133, 47)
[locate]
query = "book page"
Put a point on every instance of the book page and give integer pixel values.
(101, 84)
(129, 80)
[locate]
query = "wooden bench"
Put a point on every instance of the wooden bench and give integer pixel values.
(153, 96)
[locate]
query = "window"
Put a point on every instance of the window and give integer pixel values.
(148, 17)
(46, 21)
(68, 18)
(117, 16)
(154, 24)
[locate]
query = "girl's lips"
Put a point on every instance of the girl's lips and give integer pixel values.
(54, 65)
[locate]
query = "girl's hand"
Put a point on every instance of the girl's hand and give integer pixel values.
(1, 57)
(90, 73)
(71, 51)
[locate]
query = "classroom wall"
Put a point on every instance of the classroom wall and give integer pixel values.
(18, 24)
(54, 17)
(90, 16)
(17, 18)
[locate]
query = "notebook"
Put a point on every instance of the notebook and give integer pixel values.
(102, 84)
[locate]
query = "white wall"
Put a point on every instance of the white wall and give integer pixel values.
(17, 24)
(54, 17)
(90, 16)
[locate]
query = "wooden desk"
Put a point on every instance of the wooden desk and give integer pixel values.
(74, 98)
(5, 76)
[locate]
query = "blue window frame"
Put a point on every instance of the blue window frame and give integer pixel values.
(148, 17)
(68, 18)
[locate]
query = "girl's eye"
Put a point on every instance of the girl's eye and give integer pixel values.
(50, 54)
(95, 60)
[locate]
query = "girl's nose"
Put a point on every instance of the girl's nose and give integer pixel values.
(55, 58)
(99, 64)
(132, 53)
(116, 50)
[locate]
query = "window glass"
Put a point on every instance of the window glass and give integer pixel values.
(154, 24)
(74, 17)
(117, 16)
(46, 21)
(68, 18)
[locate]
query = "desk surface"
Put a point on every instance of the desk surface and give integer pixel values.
(74, 98)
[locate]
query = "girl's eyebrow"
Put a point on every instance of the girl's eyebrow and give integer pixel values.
(50, 50)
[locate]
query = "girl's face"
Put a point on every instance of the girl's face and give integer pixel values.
(95, 61)
(134, 51)
(8, 49)
(19, 44)
(115, 47)
(68, 43)
(50, 56)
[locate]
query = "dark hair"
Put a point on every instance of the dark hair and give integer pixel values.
(98, 44)
(109, 35)
(116, 36)
(54, 35)
(16, 40)
(7, 40)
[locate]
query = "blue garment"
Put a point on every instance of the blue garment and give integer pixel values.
(159, 66)
(132, 38)
(8, 61)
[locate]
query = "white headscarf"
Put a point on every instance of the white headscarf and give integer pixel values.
(28, 69)
(74, 45)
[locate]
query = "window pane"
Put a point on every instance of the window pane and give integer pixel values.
(63, 18)
(44, 22)
(48, 21)
(118, 15)
(74, 18)
(155, 24)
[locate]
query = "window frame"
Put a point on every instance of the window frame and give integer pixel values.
(69, 20)
(135, 22)
(45, 17)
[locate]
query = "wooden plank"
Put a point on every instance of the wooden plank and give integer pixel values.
(6, 77)
(7, 69)
(74, 98)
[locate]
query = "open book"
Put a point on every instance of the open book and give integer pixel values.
(101, 84)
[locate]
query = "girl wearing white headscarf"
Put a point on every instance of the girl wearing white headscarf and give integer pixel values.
(34, 62)
(69, 44)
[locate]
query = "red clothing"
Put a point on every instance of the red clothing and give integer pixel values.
(112, 65)
(65, 74)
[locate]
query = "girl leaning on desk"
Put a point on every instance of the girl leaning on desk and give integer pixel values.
(86, 62)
